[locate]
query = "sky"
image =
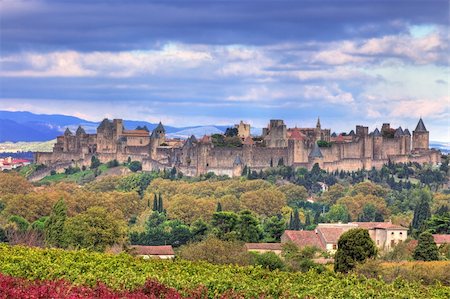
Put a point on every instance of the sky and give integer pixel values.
(218, 62)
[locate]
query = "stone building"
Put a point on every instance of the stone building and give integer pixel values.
(385, 235)
(278, 145)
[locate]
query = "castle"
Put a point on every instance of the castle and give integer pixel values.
(278, 145)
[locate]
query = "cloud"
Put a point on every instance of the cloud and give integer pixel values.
(331, 94)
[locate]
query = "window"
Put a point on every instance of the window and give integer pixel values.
(392, 243)
(392, 233)
(334, 246)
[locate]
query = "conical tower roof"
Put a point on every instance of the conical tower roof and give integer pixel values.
(67, 132)
(398, 132)
(406, 132)
(420, 126)
(315, 153)
(376, 133)
(238, 161)
(80, 131)
(160, 128)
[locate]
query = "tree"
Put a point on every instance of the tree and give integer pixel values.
(160, 203)
(248, 228)
(95, 229)
(95, 162)
(54, 226)
(219, 207)
(337, 213)
(426, 249)
(264, 202)
(225, 224)
(216, 251)
(422, 211)
(295, 194)
(199, 229)
(274, 228)
(296, 223)
(354, 246)
(155, 203)
(135, 166)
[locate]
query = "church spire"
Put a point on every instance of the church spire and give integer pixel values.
(318, 123)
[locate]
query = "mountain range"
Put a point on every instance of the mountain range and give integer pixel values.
(18, 126)
(23, 126)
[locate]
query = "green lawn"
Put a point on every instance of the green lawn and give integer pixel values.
(76, 177)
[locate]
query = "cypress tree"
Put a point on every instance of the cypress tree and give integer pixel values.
(307, 219)
(219, 207)
(160, 204)
(291, 225)
(296, 221)
(316, 217)
(155, 203)
(54, 226)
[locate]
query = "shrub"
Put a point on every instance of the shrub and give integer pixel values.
(215, 251)
(112, 163)
(135, 166)
(268, 260)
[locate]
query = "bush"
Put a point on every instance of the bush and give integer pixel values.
(354, 246)
(71, 170)
(112, 163)
(268, 260)
(135, 166)
(215, 251)
(53, 172)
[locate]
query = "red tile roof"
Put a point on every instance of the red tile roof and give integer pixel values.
(152, 250)
(381, 225)
(304, 238)
(441, 239)
(331, 234)
(296, 134)
(263, 246)
(136, 133)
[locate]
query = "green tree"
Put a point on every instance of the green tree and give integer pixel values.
(95, 229)
(248, 227)
(354, 246)
(422, 211)
(199, 229)
(95, 162)
(54, 226)
(296, 224)
(160, 204)
(135, 166)
(337, 213)
(155, 202)
(426, 249)
(224, 225)
(219, 207)
(274, 228)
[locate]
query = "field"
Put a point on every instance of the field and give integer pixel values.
(126, 273)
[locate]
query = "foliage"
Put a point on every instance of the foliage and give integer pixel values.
(54, 226)
(426, 249)
(95, 229)
(13, 183)
(13, 287)
(22, 223)
(123, 272)
(422, 210)
(216, 251)
(323, 143)
(354, 246)
(268, 260)
(135, 166)
(112, 163)
(95, 162)
(300, 259)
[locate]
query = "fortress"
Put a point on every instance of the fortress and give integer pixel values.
(228, 155)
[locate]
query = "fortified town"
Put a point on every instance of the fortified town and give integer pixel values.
(228, 154)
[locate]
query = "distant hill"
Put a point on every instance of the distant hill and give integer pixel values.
(29, 127)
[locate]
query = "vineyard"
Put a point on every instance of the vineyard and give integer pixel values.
(25, 268)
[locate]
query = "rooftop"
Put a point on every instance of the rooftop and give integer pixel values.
(152, 250)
